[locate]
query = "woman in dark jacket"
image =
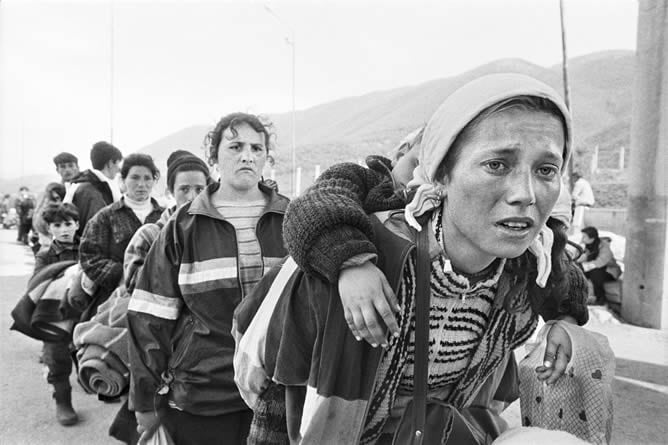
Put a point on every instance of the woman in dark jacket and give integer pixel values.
(598, 262)
(108, 233)
(207, 258)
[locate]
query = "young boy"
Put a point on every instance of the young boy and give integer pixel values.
(63, 222)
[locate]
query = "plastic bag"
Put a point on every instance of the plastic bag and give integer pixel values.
(160, 437)
(580, 401)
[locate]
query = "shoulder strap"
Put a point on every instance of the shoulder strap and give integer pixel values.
(422, 294)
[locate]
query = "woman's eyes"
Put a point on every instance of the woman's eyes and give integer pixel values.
(495, 166)
(140, 178)
(548, 171)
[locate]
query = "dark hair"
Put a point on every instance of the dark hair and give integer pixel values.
(215, 136)
(64, 158)
(54, 187)
(58, 212)
(530, 103)
(521, 274)
(23, 187)
(184, 161)
(142, 160)
(103, 152)
(592, 249)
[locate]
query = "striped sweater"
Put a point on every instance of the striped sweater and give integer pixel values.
(244, 217)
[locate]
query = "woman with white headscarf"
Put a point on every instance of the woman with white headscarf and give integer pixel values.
(488, 177)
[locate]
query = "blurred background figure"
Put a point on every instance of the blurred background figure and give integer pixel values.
(583, 196)
(598, 262)
(25, 207)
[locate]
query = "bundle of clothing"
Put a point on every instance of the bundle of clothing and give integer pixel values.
(102, 348)
(44, 312)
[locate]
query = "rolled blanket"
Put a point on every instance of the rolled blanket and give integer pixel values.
(50, 326)
(101, 371)
(47, 318)
(580, 401)
(103, 347)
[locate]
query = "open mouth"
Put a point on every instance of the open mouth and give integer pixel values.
(516, 224)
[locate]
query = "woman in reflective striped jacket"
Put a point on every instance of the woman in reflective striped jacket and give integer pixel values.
(205, 260)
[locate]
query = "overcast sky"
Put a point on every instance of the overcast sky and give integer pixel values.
(179, 63)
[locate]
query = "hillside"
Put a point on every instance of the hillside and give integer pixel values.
(351, 128)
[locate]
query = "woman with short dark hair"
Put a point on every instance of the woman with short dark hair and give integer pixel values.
(109, 231)
(207, 258)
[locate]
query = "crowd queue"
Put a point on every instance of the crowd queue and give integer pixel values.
(381, 306)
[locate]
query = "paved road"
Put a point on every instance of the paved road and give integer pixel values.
(27, 410)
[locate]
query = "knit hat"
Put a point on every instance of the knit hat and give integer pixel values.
(183, 160)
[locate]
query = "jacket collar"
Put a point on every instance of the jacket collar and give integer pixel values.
(202, 204)
(59, 247)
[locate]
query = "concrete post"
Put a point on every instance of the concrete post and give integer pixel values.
(645, 301)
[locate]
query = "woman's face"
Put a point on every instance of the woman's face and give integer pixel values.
(502, 187)
(139, 183)
(241, 158)
(586, 239)
(187, 185)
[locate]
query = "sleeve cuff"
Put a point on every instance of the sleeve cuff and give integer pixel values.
(360, 259)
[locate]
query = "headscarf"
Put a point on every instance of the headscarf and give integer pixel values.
(451, 117)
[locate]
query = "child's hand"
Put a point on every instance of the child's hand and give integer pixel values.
(368, 303)
(557, 354)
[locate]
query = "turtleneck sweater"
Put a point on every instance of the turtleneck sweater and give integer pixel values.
(141, 208)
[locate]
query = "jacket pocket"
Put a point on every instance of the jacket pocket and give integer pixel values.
(181, 348)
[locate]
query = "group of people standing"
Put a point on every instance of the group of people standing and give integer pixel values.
(252, 319)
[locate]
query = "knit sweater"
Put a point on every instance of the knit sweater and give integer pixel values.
(330, 223)
(458, 317)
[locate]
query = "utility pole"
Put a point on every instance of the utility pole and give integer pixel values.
(290, 40)
(567, 93)
(111, 71)
(645, 292)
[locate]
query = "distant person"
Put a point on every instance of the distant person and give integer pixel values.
(583, 196)
(95, 188)
(5, 205)
(67, 166)
(109, 231)
(598, 262)
(62, 221)
(54, 194)
(25, 207)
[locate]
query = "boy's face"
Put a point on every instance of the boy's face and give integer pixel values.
(67, 170)
(64, 231)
